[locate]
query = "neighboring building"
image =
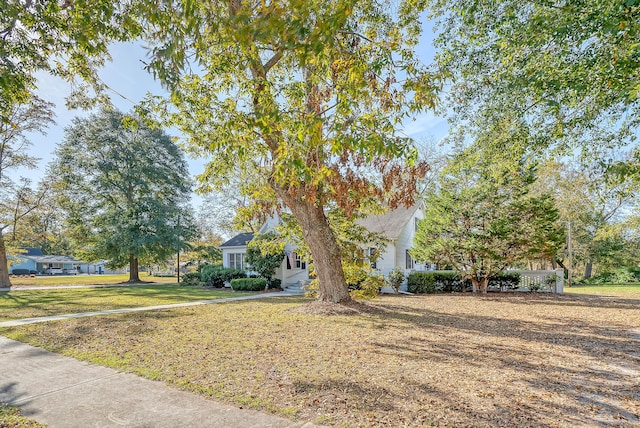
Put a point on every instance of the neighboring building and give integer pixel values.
(398, 226)
(35, 262)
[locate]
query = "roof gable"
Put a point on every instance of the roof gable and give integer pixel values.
(239, 240)
(391, 223)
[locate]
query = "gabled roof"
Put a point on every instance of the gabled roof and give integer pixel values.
(239, 240)
(391, 223)
(54, 259)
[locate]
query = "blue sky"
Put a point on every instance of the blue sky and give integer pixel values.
(125, 75)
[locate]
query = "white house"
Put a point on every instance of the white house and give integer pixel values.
(398, 226)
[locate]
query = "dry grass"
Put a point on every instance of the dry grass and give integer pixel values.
(11, 417)
(443, 360)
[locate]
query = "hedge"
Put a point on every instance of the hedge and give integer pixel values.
(447, 282)
(191, 278)
(216, 275)
(248, 284)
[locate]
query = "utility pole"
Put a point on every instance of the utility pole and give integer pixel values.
(179, 242)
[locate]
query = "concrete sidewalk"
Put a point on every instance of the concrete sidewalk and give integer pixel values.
(63, 392)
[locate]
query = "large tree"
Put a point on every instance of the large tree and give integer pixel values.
(17, 198)
(482, 219)
(560, 74)
(125, 189)
(305, 96)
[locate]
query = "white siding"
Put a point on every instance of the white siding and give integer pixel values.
(231, 250)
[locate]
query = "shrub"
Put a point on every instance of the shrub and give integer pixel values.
(505, 281)
(421, 282)
(396, 278)
(216, 275)
(369, 287)
(191, 278)
(448, 282)
(274, 283)
(621, 275)
(248, 284)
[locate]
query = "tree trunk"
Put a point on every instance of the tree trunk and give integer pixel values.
(588, 268)
(5, 281)
(480, 286)
(133, 269)
(324, 248)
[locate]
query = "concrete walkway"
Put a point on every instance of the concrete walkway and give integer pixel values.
(63, 392)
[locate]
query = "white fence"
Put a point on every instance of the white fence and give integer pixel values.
(541, 280)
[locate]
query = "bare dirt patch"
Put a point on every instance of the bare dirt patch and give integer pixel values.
(444, 360)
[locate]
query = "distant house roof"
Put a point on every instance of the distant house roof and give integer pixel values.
(391, 223)
(54, 259)
(239, 240)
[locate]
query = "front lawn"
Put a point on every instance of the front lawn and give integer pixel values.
(443, 360)
(626, 290)
(18, 304)
(57, 280)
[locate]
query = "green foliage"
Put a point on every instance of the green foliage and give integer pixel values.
(248, 284)
(539, 74)
(216, 275)
(125, 189)
(265, 254)
(18, 199)
(448, 282)
(369, 288)
(621, 275)
(65, 39)
(191, 278)
(395, 279)
(483, 219)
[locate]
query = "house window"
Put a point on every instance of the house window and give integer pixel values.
(409, 260)
(416, 220)
(236, 261)
(298, 263)
(372, 256)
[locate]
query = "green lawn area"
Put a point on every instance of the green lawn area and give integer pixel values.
(86, 280)
(516, 359)
(622, 290)
(17, 304)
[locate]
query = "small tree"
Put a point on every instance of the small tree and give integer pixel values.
(265, 254)
(18, 199)
(396, 278)
(481, 221)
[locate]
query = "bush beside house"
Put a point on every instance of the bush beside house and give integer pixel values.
(248, 284)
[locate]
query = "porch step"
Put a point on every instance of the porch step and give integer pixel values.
(296, 287)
